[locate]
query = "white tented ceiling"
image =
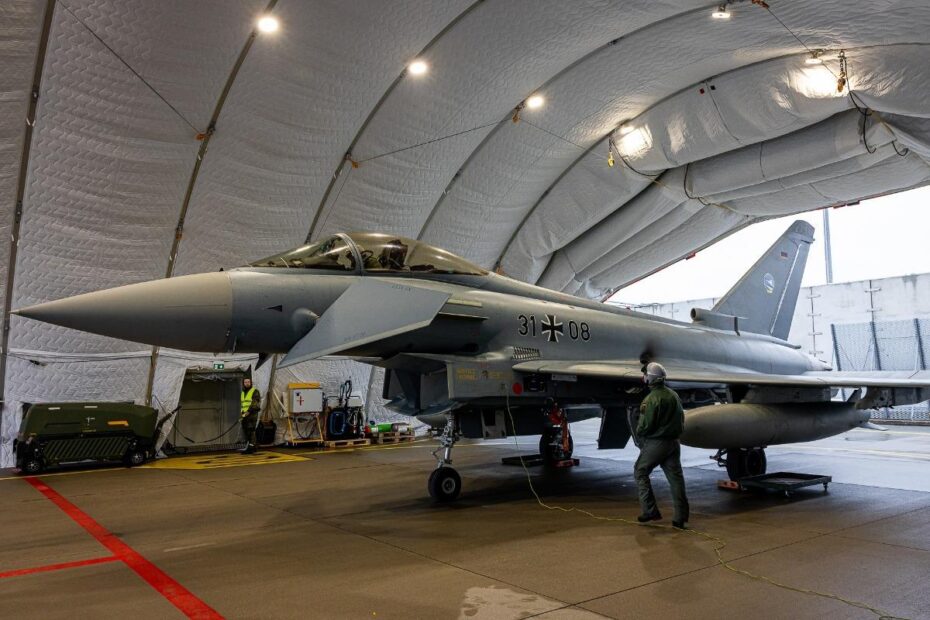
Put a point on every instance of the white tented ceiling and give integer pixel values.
(712, 124)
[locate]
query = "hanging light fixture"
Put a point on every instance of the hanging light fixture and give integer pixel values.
(721, 12)
(268, 24)
(535, 101)
(418, 67)
(815, 58)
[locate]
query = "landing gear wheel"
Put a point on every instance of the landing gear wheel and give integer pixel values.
(550, 447)
(444, 484)
(33, 466)
(134, 457)
(743, 463)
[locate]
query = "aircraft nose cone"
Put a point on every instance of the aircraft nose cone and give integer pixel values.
(188, 312)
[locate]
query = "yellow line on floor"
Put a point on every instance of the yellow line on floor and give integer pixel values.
(219, 461)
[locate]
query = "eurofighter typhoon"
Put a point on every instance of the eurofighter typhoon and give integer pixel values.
(481, 355)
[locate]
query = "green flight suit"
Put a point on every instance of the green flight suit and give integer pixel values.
(660, 425)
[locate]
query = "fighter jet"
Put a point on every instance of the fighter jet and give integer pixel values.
(480, 355)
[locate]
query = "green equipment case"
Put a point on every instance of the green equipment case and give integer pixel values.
(55, 433)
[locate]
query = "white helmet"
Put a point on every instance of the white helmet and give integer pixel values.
(654, 372)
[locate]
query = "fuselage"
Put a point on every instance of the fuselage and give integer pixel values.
(272, 304)
(490, 313)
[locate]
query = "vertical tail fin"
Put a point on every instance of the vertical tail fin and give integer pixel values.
(766, 296)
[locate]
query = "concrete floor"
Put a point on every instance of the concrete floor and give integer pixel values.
(354, 535)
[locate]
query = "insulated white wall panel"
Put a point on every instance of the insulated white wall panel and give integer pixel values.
(650, 205)
(655, 231)
(822, 173)
(806, 145)
(292, 113)
(505, 179)
(707, 224)
(836, 139)
(183, 49)
(104, 185)
(890, 175)
(587, 195)
(684, 129)
(483, 206)
(739, 105)
(491, 61)
(108, 166)
(20, 29)
(911, 132)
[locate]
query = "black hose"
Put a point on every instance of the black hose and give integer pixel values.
(203, 441)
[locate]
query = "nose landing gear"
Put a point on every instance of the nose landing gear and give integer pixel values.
(444, 483)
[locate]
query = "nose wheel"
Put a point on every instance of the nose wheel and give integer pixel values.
(445, 484)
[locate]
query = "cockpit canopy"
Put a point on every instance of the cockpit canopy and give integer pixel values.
(374, 253)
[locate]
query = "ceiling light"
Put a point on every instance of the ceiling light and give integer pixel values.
(635, 142)
(268, 24)
(815, 58)
(817, 82)
(721, 12)
(625, 129)
(417, 67)
(536, 101)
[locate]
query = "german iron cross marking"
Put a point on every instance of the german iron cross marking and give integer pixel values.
(551, 328)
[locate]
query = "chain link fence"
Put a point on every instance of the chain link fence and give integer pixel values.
(885, 345)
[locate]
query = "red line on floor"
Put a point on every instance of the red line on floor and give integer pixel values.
(63, 565)
(174, 592)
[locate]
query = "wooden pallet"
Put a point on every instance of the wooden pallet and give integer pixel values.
(383, 438)
(346, 443)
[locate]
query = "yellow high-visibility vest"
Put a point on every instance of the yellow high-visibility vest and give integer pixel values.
(247, 399)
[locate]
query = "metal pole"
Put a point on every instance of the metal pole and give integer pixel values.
(921, 360)
(836, 347)
(827, 251)
(16, 224)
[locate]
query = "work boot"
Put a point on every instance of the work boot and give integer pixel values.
(249, 449)
(679, 525)
(656, 516)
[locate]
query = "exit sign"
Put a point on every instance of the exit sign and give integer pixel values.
(218, 365)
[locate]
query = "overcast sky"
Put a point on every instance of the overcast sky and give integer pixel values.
(883, 237)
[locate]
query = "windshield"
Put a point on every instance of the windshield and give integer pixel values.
(332, 254)
(390, 253)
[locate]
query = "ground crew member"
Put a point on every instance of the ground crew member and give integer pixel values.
(251, 401)
(661, 422)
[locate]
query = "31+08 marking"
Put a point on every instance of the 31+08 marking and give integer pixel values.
(552, 328)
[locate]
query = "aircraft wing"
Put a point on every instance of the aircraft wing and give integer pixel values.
(352, 321)
(685, 372)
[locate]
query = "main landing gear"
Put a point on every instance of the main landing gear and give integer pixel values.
(445, 484)
(741, 462)
(556, 444)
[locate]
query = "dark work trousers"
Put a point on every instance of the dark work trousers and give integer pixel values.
(664, 453)
(248, 427)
